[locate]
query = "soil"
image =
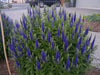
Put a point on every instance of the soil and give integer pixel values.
(4, 71)
(94, 24)
(3, 67)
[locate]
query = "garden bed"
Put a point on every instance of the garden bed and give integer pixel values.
(94, 25)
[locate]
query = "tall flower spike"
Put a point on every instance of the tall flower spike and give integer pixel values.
(80, 28)
(43, 26)
(90, 38)
(22, 44)
(76, 60)
(83, 19)
(63, 35)
(77, 46)
(58, 32)
(28, 52)
(43, 55)
(24, 35)
(83, 48)
(88, 56)
(76, 27)
(36, 43)
(43, 37)
(80, 40)
(66, 44)
(72, 36)
(74, 17)
(54, 18)
(17, 63)
(92, 44)
(86, 31)
(24, 23)
(67, 63)
(57, 55)
(17, 25)
(31, 36)
(49, 36)
(52, 44)
(19, 48)
(69, 14)
(37, 64)
(71, 21)
(64, 16)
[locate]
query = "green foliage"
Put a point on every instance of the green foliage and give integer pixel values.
(93, 17)
(53, 61)
(9, 5)
(7, 32)
(67, 0)
(1, 6)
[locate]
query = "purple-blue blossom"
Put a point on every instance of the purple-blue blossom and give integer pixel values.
(63, 35)
(43, 55)
(87, 30)
(36, 43)
(76, 60)
(65, 44)
(80, 28)
(88, 56)
(17, 63)
(37, 64)
(19, 48)
(92, 44)
(83, 48)
(49, 36)
(72, 36)
(74, 17)
(22, 44)
(57, 55)
(67, 63)
(31, 36)
(43, 37)
(58, 31)
(80, 40)
(24, 35)
(28, 52)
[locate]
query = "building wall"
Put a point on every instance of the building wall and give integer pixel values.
(18, 1)
(88, 4)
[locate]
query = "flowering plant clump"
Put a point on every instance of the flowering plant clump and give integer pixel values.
(7, 31)
(51, 42)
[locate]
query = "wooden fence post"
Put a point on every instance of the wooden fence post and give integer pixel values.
(4, 48)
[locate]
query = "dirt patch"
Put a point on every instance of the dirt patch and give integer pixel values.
(95, 25)
(3, 67)
(4, 71)
(94, 72)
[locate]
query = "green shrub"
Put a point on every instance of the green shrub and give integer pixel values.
(93, 17)
(1, 6)
(9, 5)
(51, 43)
(7, 32)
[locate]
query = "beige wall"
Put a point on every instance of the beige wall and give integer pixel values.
(18, 1)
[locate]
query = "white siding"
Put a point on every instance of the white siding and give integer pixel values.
(88, 4)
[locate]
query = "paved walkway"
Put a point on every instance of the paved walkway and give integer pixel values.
(16, 15)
